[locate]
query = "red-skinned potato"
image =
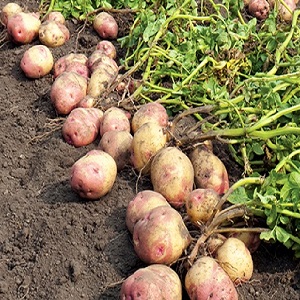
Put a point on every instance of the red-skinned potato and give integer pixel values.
(210, 172)
(207, 280)
(149, 112)
(234, 257)
(37, 61)
(79, 68)
(147, 141)
(23, 27)
(106, 26)
(141, 204)
(67, 90)
(172, 175)
(56, 16)
(152, 283)
(118, 145)
(160, 236)
(259, 9)
(81, 127)
(107, 48)
(200, 204)
(53, 34)
(9, 10)
(93, 175)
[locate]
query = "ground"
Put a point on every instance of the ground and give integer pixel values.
(54, 245)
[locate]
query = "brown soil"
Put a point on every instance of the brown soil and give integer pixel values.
(54, 245)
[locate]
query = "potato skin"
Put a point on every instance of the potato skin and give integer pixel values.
(9, 10)
(141, 204)
(207, 280)
(106, 26)
(153, 282)
(160, 236)
(98, 59)
(172, 175)
(259, 9)
(234, 257)
(93, 175)
(37, 61)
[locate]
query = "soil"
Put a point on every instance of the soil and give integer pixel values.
(54, 245)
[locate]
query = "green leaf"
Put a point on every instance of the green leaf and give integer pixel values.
(257, 148)
(268, 235)
(281, 234)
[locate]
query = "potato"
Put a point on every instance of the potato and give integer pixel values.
(37, 61)
(259, 9)
(63, 62)
(53, 34)
(114, 119)
(210, 172)
(56, 16)
(147, 141)
(106, 26)
(160, 236)
(107, 48)
(23, 27)
(149, 112)
(81, 127)
(67, 90)
(284, 13)
(141, 204)
(234, 257)
(93, 175)
(152, 283)
(98, 59)
(87, 102)
(250, 239)
(172, 175)
(118, 145)
(79, 68)
(207, 280)
(9, 10)
(200, 204)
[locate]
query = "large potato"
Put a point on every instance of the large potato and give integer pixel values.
(210, 172)
(106, 26)
(141, 204)
(207, 280)
(67, 90)
(9, 10)
(147, 141)
(37, 61)
(172, 175)
(234, 257)
(152, 283)
(160, 236)
(93, 175)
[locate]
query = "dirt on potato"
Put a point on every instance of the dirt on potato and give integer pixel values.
(54, 245)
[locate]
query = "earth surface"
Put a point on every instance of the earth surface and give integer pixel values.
(54, 245)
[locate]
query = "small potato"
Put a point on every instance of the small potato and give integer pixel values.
(118, 145)
(210, 172)
(53, 34)
(114, 119)
(149, 112)
(23, 27)
(67, 90)
(259, 9)
(106, 26)
(56, 16)
(214, 242)
(107, 48)
(234, 257)
(207, 280)
(152, 283)
(93, 175)
(9, 10)
(37, 61)
(141, 204)
(87, 102)
(172, 175)
(160, 236)
(81, 127)
(147, 141)
(200, 204)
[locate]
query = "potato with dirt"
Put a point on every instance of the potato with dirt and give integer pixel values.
(9, 10)
(147, 141)
(207, 280)
(67, 90)
(118, 145)
(37, 61)
(286, 11)
(55, 16)
(81, 126)
(259, 9)
(53, 34)
(210, 172)
(172, 175)
(160, 236)
(93, 175)
(106, 26)
(141, 204)
(107, 48)
(154, 282)
(23, 27)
